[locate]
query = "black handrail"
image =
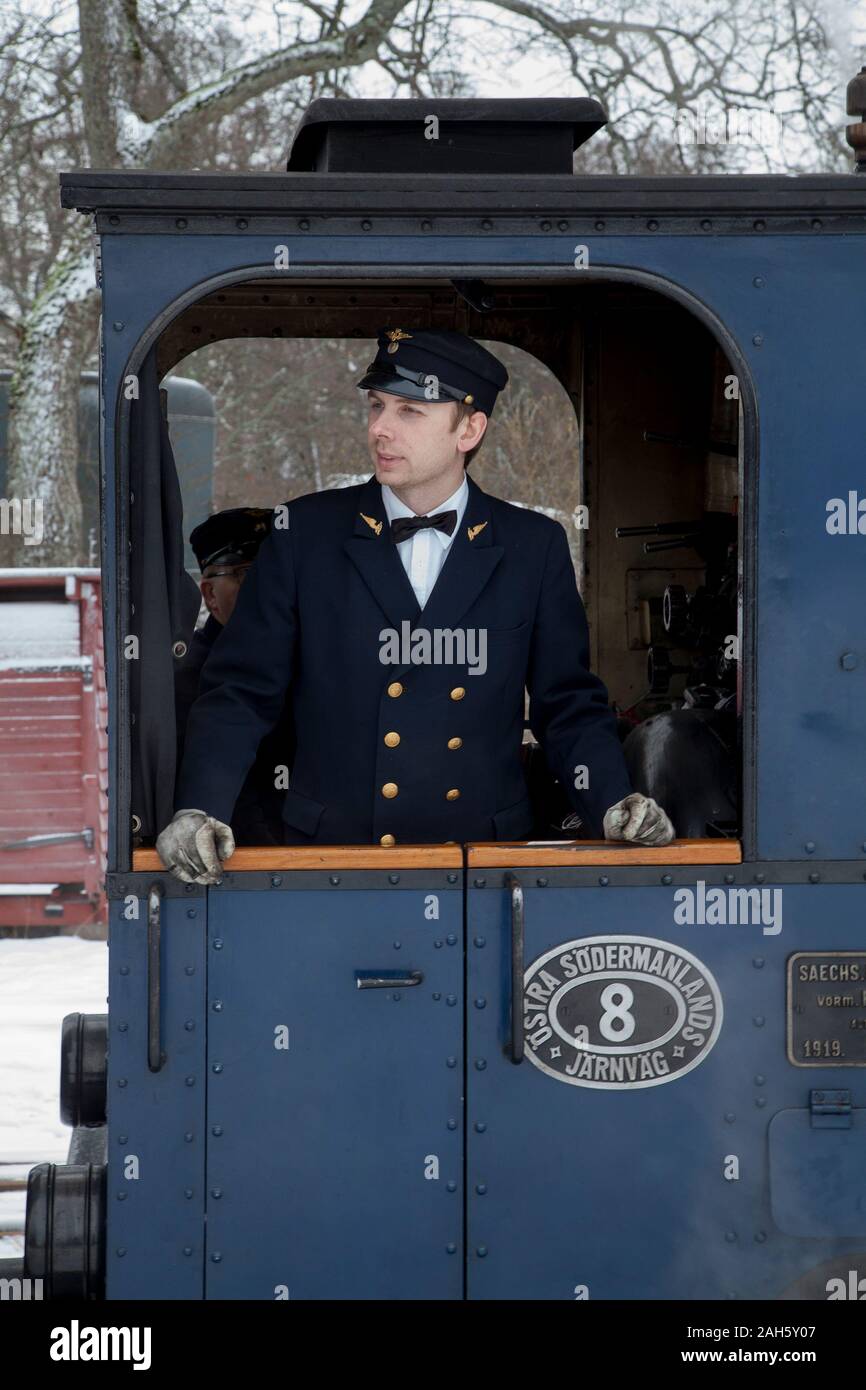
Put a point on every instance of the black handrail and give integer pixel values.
(154, 1002)
(517, 942)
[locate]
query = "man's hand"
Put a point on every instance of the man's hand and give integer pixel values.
(640, 819)
(192, 846)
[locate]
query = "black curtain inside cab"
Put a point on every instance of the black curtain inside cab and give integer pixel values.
(164, 605)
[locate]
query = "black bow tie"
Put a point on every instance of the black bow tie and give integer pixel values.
(405, 526)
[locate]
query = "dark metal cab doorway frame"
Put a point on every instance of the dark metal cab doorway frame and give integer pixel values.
(120, 857)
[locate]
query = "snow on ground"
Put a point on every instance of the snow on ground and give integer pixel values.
(40, 981)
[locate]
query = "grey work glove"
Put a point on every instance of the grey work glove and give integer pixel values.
(639, 819)
(193, 844)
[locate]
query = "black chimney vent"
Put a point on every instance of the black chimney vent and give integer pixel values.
(498, 135)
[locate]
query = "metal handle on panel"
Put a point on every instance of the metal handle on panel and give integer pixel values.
(517, 940)
(57, 837)
(387, 979)
(154, 1003)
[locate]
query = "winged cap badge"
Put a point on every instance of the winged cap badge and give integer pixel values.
(396, 335)
(373, 524)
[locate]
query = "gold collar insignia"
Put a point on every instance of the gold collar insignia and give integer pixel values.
(473, 531)
(373, 524)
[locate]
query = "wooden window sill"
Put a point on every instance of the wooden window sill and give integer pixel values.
(483, 855)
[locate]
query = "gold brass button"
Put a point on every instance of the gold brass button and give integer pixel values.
(387, 841)
(458, 692)
(455, 743)
(395, 689)
(453, 794)
(392, 740)
(389, 789)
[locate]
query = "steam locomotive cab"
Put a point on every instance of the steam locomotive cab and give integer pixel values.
(557, 1068)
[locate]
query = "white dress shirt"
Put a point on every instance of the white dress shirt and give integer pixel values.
(423, 554)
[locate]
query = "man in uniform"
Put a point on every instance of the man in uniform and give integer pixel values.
(405, 617)
(225, 546)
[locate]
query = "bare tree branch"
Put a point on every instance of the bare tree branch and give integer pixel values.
(354, 46)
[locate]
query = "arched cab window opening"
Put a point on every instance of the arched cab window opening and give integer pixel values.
(623, 420)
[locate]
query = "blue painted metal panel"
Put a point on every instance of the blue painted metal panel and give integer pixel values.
(334, 1113)
(794, 308)
(818, 1176)
(156, 1120)
(581, 1192)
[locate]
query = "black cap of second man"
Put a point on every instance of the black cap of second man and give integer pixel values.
(231, 537)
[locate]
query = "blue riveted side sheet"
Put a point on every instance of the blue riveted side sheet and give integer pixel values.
(156, 1120)
(662, 1191)
(335, 1144)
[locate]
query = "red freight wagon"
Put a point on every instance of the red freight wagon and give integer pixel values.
(53, 750)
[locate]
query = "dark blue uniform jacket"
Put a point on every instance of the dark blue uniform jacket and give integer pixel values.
(257, 817)
(315, 615)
